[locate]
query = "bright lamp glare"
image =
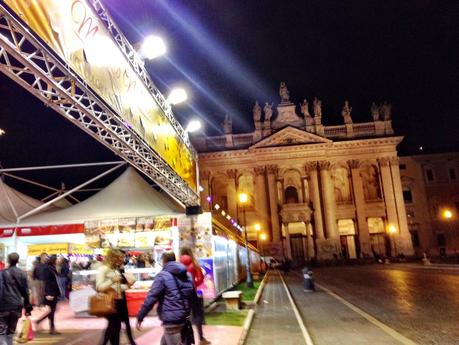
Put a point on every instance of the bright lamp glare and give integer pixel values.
(153, 47)
(2, 132)
(193, 126)
(177, 96)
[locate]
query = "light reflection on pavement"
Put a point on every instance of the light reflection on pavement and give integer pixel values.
(422, 304)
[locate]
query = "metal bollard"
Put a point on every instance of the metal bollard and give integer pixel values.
(308, 282)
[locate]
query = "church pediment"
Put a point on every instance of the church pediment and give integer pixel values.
(290, 136)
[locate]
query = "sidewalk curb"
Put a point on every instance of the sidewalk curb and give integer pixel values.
(260, 289)
(247, 324)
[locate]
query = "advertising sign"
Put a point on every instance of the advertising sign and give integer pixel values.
(207, 288)
(76, 34)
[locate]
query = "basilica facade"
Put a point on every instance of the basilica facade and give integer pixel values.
(314, 191)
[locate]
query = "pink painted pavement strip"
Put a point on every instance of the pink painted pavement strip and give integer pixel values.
(66, 320)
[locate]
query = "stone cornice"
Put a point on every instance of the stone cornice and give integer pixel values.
(339, 145)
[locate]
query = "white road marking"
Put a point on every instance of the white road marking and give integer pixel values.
(306, 335)
(392, 332)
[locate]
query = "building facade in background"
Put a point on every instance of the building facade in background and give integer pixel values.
(430, 184)
(315, 190)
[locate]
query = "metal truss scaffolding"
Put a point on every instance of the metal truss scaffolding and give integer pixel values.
(33, 66)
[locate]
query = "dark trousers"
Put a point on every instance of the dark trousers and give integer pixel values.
(197, 315)
(125, 319)
(50, 315)
(112, 332)
(8, 323)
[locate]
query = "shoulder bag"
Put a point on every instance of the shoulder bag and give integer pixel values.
(187, 333)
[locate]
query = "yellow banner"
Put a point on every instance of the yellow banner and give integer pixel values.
(77, 35)
(50, 249)
(82, 249)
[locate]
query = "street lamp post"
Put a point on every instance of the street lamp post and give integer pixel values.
(447, 215)
(392, 230)
(243, 198)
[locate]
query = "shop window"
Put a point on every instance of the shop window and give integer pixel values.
(402, 166)
(407, 196)
(429, 175)
(452, 174)
(415, 239)
(291, 195)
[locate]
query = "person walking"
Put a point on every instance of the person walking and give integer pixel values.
(111, 277)
(174, 292)
(197, 309)
(14, 296)
(63, 275)
(52, 293)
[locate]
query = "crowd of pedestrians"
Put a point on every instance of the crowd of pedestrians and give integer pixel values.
(173, 290)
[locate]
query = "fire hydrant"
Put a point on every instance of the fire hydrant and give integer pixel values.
(308, 282)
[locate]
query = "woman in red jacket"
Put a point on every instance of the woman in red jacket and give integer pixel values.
(197, 311)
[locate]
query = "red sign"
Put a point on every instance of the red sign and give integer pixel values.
(51, 230)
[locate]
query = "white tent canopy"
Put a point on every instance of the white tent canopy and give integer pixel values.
(128, 196)
(14, 204)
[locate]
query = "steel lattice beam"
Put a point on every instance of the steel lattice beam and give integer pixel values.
(30, 64)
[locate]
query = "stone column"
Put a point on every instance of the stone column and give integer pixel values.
(406, 245)
(388, 191)
(328, 198)
(311, 171)
(272, 186)
(205, 184)
(359, 203)
(231, 192)
(288, 246)
(261, 198)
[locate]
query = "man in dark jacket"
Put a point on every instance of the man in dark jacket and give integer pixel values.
(52, 293)
(14, 297)
(174, 292)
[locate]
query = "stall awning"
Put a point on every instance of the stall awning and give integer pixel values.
(128, 196)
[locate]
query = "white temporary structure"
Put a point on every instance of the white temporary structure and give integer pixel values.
(13, 204)
(128, 196)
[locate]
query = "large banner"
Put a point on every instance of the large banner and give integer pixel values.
(73, 31)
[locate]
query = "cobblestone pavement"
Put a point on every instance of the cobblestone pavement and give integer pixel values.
(274, 321)
(422, 304)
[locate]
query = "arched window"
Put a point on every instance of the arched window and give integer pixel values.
(291, 195)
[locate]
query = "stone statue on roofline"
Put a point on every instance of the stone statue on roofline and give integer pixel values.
(256, 112)
(268, 109)
(284, 93)
(375, 111)
(305, 111)
(385, 111)
(227, 125)
(317, 105)
(346, 113)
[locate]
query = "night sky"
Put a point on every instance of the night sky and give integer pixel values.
(230, 53)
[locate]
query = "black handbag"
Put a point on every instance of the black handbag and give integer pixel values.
(187, 333)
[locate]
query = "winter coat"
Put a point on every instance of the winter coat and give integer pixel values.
(49, 275)
(198, 277)
(12, 297)
(174, 306)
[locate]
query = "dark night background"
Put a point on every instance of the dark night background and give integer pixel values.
(230, 53)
